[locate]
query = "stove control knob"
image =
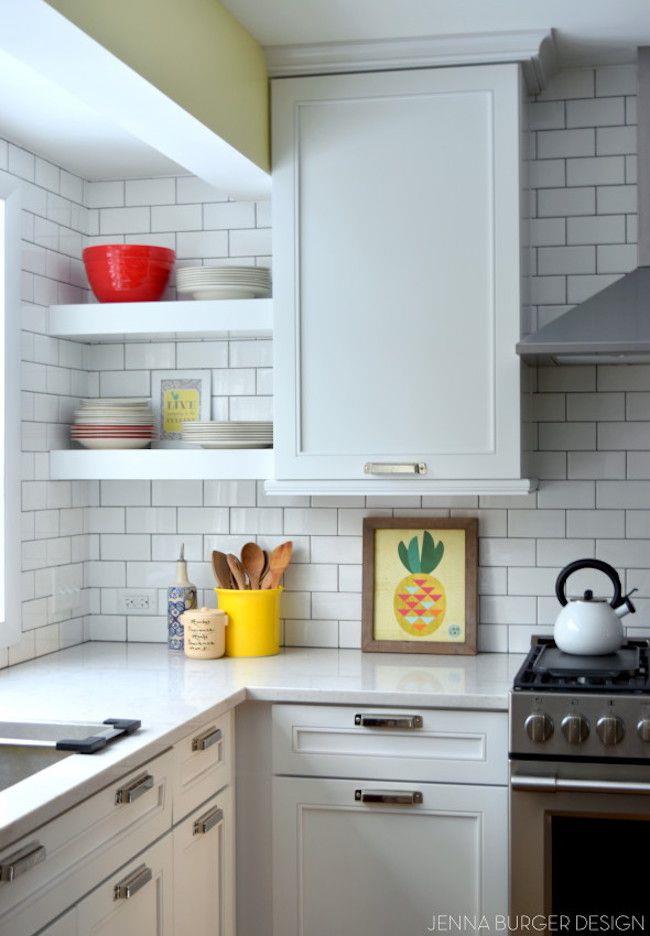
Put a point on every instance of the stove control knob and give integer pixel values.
(575, 728)
(610, 730)
(643, 729)
(539, 727)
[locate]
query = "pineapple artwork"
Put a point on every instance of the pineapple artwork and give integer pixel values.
(419, 584)
(420, 600)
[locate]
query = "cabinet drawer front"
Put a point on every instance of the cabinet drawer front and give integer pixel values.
(204, 869)
(421, 744)
(203, 764)
(356, 869)
(134, 901)
(85, 844)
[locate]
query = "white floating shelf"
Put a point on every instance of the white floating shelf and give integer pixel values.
(147, 321)
(161, 464)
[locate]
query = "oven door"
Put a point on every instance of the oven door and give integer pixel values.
(579, 844)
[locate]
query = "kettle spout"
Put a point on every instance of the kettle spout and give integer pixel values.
(626, 606)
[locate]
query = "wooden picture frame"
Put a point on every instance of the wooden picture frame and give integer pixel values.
(426, 552)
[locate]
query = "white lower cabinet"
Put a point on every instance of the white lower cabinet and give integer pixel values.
(66, 925)
(204, 850)
(365, 869)
(136, 901)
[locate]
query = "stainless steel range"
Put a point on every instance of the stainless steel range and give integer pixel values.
(580, 789)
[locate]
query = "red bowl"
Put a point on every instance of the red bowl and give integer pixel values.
(128, 272)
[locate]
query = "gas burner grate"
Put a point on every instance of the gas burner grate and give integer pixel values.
(609, 674)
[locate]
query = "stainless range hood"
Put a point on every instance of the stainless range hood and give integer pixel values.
(612, 327)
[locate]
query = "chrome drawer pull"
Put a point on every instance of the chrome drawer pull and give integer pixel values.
(132, 883)
(22, 860)
(389, 797)
(407, 722)
(207, 739)
(134, 789)
(395, 468)
(208, 821)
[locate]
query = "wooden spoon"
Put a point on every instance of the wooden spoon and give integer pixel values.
(253, 561)
(237, 571)
(279, 559)
(221, 569)
(266, 566)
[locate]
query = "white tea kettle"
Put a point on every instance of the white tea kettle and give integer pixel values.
(591, 626)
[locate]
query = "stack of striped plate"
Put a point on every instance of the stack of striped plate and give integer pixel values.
(226, 435)
(224, 282)
(113, 423)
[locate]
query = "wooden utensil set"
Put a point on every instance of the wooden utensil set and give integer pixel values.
(257, 569)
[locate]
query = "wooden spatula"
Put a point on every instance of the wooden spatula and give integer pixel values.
(279, 559)
(221, 569)
(253, 561)
(237, 571)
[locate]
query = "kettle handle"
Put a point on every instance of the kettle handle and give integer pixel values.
(598, 564)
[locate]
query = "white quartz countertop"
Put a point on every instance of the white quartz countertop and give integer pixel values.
(171, 695)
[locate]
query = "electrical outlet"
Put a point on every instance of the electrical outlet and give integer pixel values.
(137, 601)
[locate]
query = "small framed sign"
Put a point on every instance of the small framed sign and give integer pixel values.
(180, 397)
(419, 585)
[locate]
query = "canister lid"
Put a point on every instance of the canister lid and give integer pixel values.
(204, 614)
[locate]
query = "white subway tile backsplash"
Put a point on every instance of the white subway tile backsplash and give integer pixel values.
(196, 244)
(124, 220)
(566, 202)
(583, 237)
(595, 112)
(150, 192)
(563, 143)
(176, 218)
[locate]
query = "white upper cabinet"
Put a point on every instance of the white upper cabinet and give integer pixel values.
(396, 223)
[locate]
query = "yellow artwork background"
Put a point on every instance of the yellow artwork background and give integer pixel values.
(389, 572)
(179, 406)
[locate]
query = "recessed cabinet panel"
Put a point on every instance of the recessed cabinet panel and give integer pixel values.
(385, 295)
(396, 272)
(357, 869)
(204, 884)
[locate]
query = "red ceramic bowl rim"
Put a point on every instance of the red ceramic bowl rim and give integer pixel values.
(101, 250)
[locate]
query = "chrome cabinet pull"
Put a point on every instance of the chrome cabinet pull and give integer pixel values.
(132, 883)
(207, 739)
(208, 821)
(22, 860)
(408, 722)
(131, 791)
(395, 468)
(389, 797)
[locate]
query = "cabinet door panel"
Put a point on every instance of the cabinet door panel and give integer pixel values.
(147, 911)
(372, 870)
(396, 272)
(204, 870)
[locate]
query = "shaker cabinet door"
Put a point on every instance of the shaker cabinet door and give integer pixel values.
(370, 869)
(396, 213)
(135, 901)
(204, 884)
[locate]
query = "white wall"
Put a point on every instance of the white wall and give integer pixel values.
(592, 434)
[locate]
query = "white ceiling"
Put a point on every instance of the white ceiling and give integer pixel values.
(587, 31)
(46, 119)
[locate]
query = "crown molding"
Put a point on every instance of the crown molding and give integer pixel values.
(534, 49)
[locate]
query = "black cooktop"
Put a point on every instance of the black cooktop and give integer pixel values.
(548, 669)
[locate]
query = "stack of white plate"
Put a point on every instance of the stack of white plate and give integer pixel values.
(224, 282)
(113, 423)
(225, 435)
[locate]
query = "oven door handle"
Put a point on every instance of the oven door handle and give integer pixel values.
(523, 784)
